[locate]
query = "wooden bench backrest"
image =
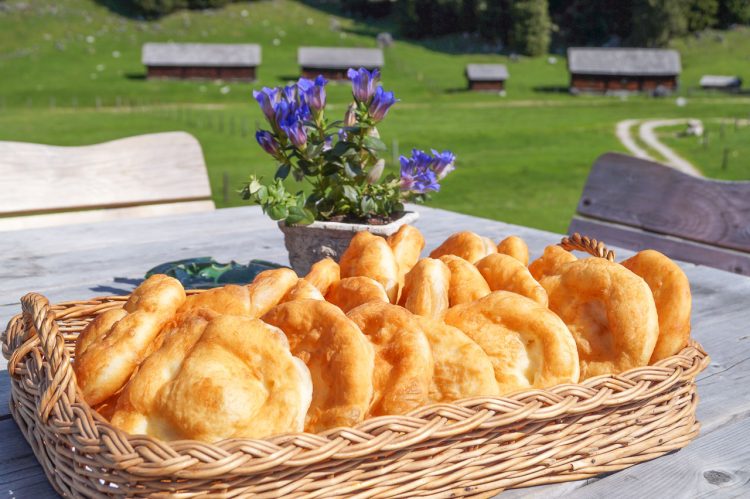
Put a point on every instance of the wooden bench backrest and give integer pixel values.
(636, 204)
(136, 172)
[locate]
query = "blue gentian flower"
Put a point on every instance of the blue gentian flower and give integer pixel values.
(381, 102)
(443, 163)
(364, 83)
(293, 128)
(266, 98)
(416, 173)
(313, 93)
(289, 93)
(267, 142)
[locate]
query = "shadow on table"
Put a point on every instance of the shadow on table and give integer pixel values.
(129, 286)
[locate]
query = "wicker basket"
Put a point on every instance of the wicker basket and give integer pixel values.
(474, 447)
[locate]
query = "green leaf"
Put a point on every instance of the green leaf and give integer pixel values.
(352, 170)
(283, 171)
(277, 211)
(299, 216)
(374, 144)
(351, 193)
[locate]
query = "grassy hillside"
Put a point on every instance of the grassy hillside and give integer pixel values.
(72, 75)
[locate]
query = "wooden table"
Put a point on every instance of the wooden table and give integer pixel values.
(81, 261)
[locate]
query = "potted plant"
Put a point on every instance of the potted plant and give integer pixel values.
(342, 162)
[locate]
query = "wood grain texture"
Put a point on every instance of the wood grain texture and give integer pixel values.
(110, 258)
(146, 169)
(680, 249)
(647, 195)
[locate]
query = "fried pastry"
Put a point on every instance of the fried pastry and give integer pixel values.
(503, 272)
(467, 284)
(303, 290)
(106, 359)
(371, 256)
(529, 346)
(407, 244)
(230, 299)
(323, 273)
(553, 258)
(268, 288)
(671, 291)
(468, 245)
(426, 288)
(516, 247)
(351, 292)
(462, 369)
(403, 359)
(609, 310)
(215, 378)
(339, 357)
(97, 329)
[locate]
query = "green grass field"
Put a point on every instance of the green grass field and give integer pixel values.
(72, 75)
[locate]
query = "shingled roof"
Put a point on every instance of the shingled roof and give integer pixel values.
(486, 72)
(201, 54)
(624, 61)
(339, 57)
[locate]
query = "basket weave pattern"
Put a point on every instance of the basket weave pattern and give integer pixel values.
(473, 447)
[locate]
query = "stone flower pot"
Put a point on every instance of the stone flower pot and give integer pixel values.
(307, 244)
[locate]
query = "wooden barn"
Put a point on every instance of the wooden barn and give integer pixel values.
(604, 70)
(486, 77)
(721, 82)
(214, 61)
(332, 62)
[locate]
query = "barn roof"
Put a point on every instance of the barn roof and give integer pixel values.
(201, 54)
(486, 72)
(624, 61)
(720, 81)
(339, 57)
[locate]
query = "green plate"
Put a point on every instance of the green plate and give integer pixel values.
(205, 272)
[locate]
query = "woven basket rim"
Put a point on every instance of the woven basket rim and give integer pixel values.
(140, 454)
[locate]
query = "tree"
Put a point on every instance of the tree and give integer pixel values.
(655, 22)
(733, 12)
(158, 8)
(494, 20)
(530, 34)
(701, 14)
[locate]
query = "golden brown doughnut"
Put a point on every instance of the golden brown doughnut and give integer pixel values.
(407, 244)
(303, 290)
(468, 245)
(516, 247)
(206, 383)
(462, 369)
(467, 284)
(671, 290)
(370, 256)
(97, 329)
(323, 273)
(230, 299)
(553, 258)
(426, 288)
(529, 346)
(268, 288)
(106, 363)
(609, 310)
(351, 292)
(403, 359)
(339, 357)
(503, 272)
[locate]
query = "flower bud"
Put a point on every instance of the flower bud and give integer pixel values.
(350, 118)
(376, 171)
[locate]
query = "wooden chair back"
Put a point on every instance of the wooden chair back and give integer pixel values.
(637, 204)
(146, 175)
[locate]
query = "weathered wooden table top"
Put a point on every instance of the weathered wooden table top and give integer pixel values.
(77, 262)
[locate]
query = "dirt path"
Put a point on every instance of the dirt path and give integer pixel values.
(647, 133)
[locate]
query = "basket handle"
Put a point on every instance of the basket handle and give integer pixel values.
(58, 379)
(587, 245)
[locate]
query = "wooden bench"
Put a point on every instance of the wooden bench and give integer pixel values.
(146, 175)
(638, 204)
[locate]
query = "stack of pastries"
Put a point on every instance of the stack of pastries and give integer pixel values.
(382, 332)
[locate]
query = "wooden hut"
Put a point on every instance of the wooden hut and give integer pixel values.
(215, 61)
(487, 77)
(603, 70)
(721, 82)
(332, 62)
